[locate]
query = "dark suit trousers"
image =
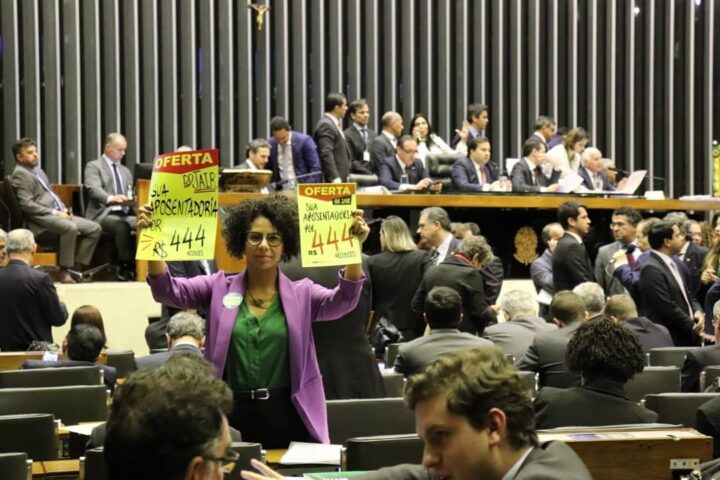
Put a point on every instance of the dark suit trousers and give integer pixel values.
(121, 227)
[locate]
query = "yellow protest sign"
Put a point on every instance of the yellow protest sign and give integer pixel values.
(326, 214)
(184, 199)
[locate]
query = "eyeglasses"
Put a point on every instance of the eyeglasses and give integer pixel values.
(255, 238)
(227, 463)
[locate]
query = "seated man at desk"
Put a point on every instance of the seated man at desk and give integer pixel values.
(403, 171)
(528, 174)
(476, 172)
(595, 178)
(107, 181)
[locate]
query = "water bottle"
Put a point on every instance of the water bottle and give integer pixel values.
(130, 193)
(404, 179)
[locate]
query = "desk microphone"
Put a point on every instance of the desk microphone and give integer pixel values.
(298, 177)
(625, 172)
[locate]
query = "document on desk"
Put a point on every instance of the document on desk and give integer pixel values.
(571, 181)
(83, 428)
(302, 453)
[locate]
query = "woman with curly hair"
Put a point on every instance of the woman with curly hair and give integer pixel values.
(259, 336)
(606, 355)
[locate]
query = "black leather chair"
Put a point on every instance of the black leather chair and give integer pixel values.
(366, 417)
(391, 353)
(371, 453)
(653, 380)
(439, 166)
(123, 361)
(72, 405)
(530, 380)
(15, 466)
(677, 408)
(51, 377)
(709, 376)
(668, 356)
(92, 465)
(394, 383)
(31, 433)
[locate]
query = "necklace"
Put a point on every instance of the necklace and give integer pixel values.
(259, 302)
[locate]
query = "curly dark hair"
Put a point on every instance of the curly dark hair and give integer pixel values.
(282, 213)
(474, 381)
(604, 348)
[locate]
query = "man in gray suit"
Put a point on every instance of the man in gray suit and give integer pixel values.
(546, 354)
(624, 229)
(541, 268)
(185, 334)
(107, 181)
(435, 231)
(515, 335)
(443, 312)
(46, 212)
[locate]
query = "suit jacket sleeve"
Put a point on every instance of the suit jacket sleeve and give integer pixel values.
(418, 301)
(22, 183)
(386, 177)
(325, 139)
(400, 366)
(541, 277)
(531, 360)
(493, 276)
(601, 264)
(310, 155)
(578, 269)
(93, 183)
(461, 179)
(477, 308)
(54, 309)
(378, 151)
(690, 377)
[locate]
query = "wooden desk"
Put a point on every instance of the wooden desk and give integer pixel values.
(13, 360)
(50, 468)
(536, 210)
(632, 454)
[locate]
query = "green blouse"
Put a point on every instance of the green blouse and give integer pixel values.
(258, 353)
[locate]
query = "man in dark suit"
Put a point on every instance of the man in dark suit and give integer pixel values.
(292, 155)
(82, 347)
(663, 290)
(107, 181)
(624, 227)
(384, 145)
(606, 355)
(359, 137)
(185, 334)
(544, 130)
(570, 261)
(527, 174)
(335, 156)
(592, 173)
(622, 309)
(515, 335)
(443, 313)
(45, 211)
(460, 272)
(403, 171)
(546, 355)
(691, 254)
(29, 302)
(541, 267)
(476, 173)
(434, 229)
(476, 120)
(155, 332)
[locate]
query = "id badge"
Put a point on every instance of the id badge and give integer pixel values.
(366, 156)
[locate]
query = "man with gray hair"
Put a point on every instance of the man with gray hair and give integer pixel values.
(185, 335)
(592, 173)
(109, 185)
(435, 231)
(461, 272)
(593, 297)
(29, 303)
(515, 335)
(3, 253)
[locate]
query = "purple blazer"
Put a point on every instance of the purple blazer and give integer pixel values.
(303, 302)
